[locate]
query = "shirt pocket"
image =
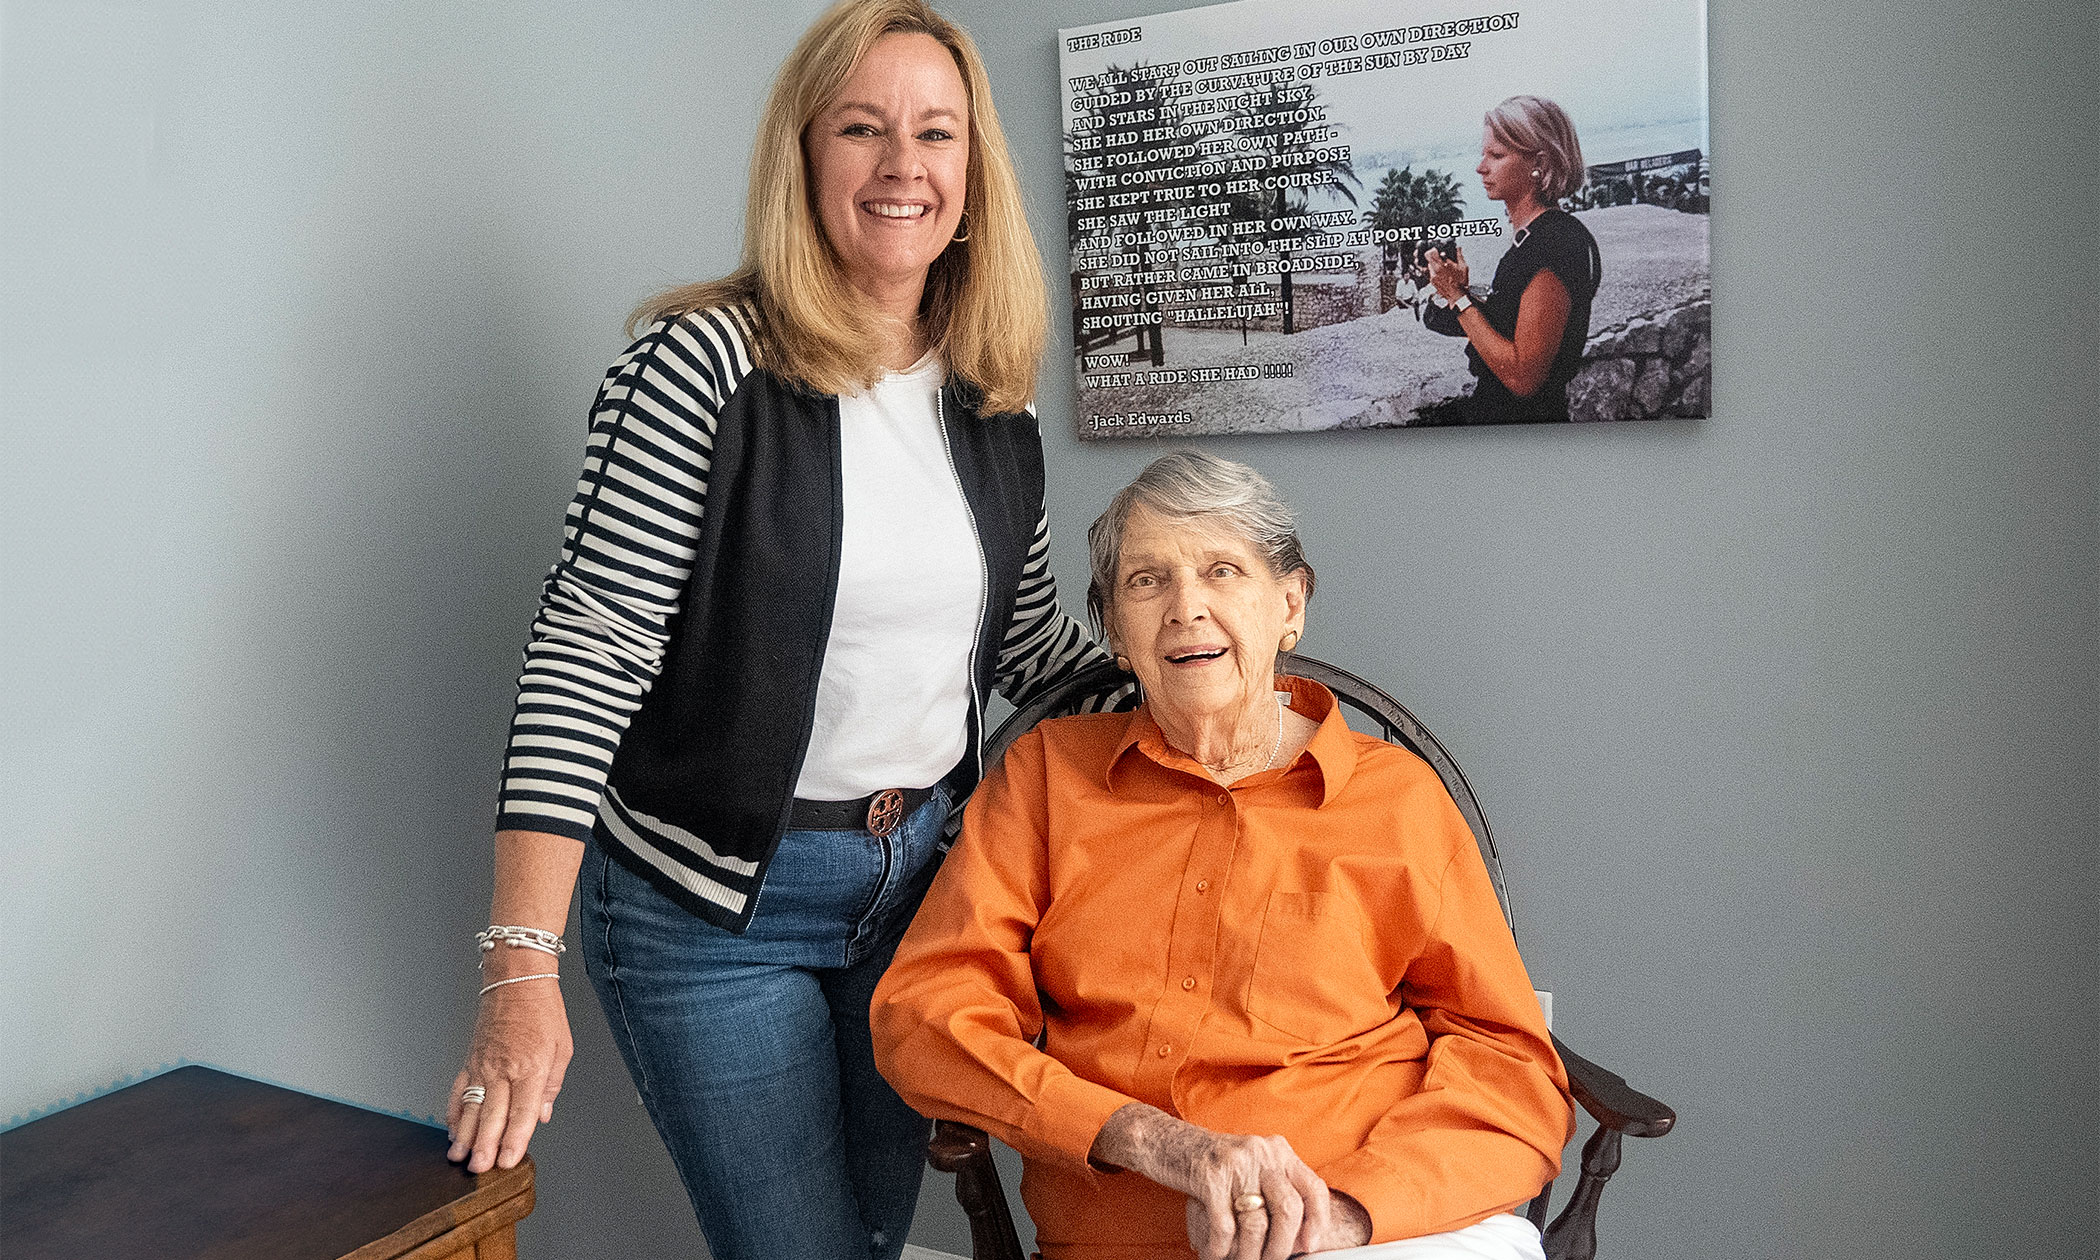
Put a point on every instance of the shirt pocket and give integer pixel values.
(1313, 978)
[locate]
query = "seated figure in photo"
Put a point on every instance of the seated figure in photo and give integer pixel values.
(1230, 976)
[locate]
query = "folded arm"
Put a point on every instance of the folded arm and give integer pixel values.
(1485, 1130)
(957, 1015)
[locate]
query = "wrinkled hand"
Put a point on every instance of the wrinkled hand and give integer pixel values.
(1295, 1205)
(1449, 276)
(520, 1053)
(1214, 1170)
(1349, 1225)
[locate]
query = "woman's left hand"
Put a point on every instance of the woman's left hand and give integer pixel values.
(1349, 1225)
(1450, 276)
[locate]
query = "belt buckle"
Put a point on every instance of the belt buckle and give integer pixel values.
(885, 811)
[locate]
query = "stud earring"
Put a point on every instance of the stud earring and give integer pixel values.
(1290, 640)
(1123, 662)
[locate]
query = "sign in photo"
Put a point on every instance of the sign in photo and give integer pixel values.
(1292, 215)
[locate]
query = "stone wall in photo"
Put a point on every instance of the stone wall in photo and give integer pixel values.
(1648, 366)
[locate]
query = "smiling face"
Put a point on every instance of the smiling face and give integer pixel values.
(889, 164)
(1200, 617)
(1504, 172)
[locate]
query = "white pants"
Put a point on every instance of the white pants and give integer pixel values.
(1503, 1237)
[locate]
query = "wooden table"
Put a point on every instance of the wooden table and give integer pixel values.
(196, 1164)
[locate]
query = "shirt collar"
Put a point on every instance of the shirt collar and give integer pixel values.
(1331, 753)
(1523, 234)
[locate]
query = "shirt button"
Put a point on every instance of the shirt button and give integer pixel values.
(1189, 983)
(1165, 1049)
(1224, 798)
(1202, 885)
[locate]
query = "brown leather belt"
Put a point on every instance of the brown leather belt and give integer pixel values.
(878, 813)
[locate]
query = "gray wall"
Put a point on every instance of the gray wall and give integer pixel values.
(1786, 719)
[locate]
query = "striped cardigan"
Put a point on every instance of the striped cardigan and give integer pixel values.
(667, 714)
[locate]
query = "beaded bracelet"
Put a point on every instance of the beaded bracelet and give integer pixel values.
(544, 975)
(520, 938)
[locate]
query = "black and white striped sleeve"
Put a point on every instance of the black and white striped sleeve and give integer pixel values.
(1044, 645)
(628, 540)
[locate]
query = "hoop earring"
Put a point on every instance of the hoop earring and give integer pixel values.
(962, 229)
(1290, 640)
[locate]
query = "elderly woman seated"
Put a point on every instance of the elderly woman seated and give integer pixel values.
(1230, 976)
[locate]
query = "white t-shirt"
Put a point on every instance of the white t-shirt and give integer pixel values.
(893, 700)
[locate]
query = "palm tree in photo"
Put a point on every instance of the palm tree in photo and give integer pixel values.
(1283, 124)
(1407, 200)
(1437, 198)
(1389, 213)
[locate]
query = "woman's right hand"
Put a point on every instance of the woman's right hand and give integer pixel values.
(520, 1053)
(1215, 1171)
(1449, 276)
(521, 1043)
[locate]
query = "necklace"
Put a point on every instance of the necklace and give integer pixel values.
(1275, 747)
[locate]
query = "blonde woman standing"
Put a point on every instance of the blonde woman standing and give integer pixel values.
(1526, 334)
(807, 543)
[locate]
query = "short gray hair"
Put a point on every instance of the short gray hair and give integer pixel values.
(1192, 486)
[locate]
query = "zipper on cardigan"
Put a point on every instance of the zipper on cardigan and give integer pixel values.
(984, 583)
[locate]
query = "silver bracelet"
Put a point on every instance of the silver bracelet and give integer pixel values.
(521, 938)
(543, 975)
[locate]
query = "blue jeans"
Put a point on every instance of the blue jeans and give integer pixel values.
(752, 1052)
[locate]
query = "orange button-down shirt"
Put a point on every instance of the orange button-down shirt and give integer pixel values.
(1315, 951)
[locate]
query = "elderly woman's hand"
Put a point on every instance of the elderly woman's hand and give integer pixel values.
(1220, 1172)
(1450, 276)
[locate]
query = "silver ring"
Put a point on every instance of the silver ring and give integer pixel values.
(473, 1094)
(1249, 1202)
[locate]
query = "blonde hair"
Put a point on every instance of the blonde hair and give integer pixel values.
(1543, 132)
(985, 311)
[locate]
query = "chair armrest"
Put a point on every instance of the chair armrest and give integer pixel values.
(1615, 1104)
(967, 1152)
(955, 1144)
(1619, 1109)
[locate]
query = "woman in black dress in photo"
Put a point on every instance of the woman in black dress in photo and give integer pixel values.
(1525, 337)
